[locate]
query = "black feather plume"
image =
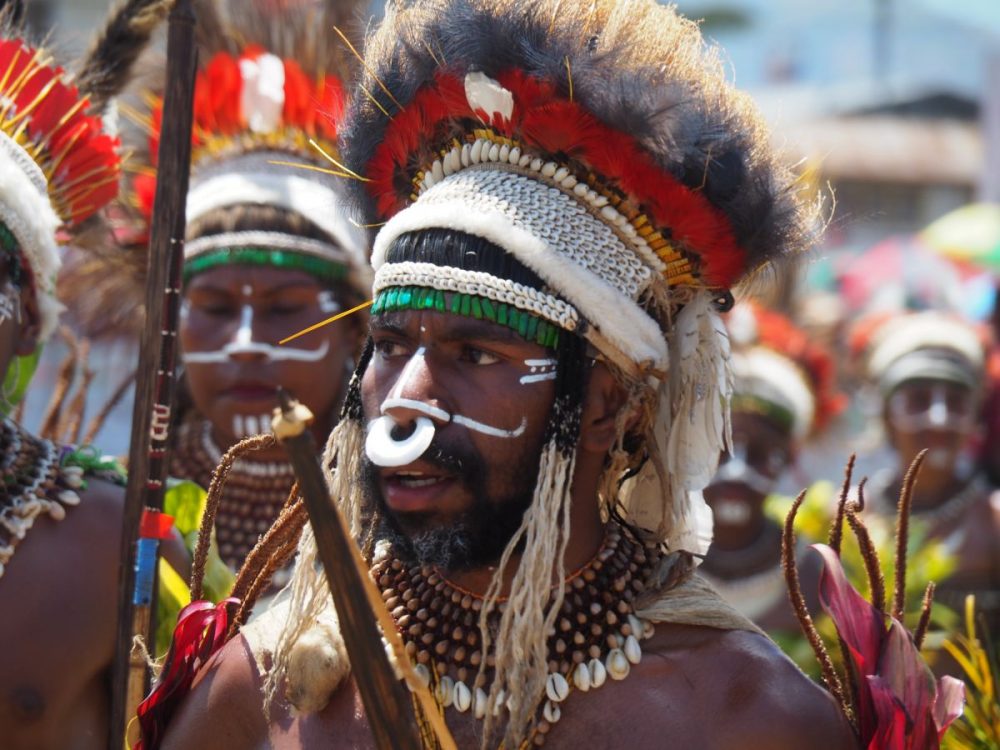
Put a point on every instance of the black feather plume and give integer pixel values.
(106, 67)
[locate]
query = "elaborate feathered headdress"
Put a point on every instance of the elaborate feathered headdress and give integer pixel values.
(780, 371)
(268, 103)
(59, 164)
(269, 96)
(598, 150)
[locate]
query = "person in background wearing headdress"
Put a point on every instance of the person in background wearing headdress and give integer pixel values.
(568, 190)
(60, 511)
(784, 394)
(270, 250)
(928, 368)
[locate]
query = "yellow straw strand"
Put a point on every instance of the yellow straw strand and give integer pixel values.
(315, 144)
(312, 168)
(322, 323)
(370, 72)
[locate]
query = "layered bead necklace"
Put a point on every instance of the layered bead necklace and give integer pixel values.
(252, 498)
(34, 483)
(597, 633)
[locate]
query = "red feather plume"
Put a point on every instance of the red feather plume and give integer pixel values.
(47, 116)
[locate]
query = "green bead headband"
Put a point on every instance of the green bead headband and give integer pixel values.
(321, 268)
(11, 247)
(749, 403)
(528, 326)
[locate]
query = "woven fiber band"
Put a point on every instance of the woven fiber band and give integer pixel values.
(480, 284)
(269, 240)
(551, 232)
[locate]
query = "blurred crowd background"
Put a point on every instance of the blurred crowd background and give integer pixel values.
(891, 110)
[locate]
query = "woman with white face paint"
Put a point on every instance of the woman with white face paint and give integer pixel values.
(269, 252)
(929, 369)
(783, 396)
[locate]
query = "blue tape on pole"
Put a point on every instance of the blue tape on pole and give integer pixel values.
(145, 569)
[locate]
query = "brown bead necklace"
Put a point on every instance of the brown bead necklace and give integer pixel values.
(253, 496)
(33, 482)
(596, 635)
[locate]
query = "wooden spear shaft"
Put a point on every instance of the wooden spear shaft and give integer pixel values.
(155, 385)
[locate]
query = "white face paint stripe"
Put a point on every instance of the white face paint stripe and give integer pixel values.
(274, 353)
(409, 403)
(404, 377)
(443, 416)
(525, 379)
(491, 431)
(327, 302)
(540, 362)
(244, 334)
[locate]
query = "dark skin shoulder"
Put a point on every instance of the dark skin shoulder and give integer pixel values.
(58, 596)
(696, 686)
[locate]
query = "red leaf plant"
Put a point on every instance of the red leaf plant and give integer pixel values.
(891, 696)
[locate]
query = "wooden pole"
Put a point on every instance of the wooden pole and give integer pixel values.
(155, 385)
(387, 701)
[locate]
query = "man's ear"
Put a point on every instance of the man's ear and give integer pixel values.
(30, 327)
(604, 401)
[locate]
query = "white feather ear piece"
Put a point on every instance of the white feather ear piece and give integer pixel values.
(701, 384)
(689, 432)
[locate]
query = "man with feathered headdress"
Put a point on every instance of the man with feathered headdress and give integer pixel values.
(60, 519)
(566, 194)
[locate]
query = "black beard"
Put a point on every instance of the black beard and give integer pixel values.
(476, 538)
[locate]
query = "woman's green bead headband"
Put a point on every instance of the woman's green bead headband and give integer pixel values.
(11, 247)
(321, 268)
(752, 404)
(527, 325)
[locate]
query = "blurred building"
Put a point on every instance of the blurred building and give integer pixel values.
(884, 101)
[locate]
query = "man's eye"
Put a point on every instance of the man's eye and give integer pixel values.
(478, 356)
(387, 348)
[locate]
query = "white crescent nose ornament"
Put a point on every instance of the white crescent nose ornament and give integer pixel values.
(384, 450)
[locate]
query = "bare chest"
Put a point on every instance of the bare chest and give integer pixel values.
(649, 709)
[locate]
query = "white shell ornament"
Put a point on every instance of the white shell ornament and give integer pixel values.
(581, 677)
(484, 93)
(556, 687)
(479, 703)
(463, 697)
(384, 450)
(598, 674)
(551, 712)
(633, 652)
(617, 664)
(445, 691)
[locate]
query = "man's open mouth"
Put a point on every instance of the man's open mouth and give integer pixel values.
(417, 478)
